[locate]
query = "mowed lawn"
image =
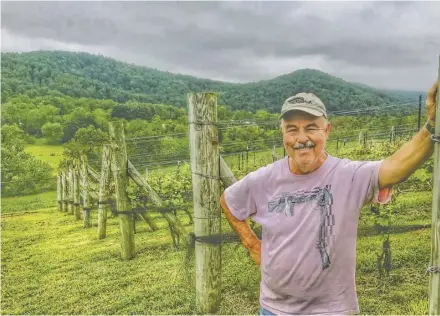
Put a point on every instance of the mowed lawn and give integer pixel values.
(52, 265)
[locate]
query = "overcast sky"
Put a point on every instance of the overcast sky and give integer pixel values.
(382, 44)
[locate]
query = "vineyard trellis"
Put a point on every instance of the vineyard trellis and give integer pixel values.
(79, 185)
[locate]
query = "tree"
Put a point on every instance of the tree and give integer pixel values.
(80, 117)
(36, 118)
(53, 132)
(21, 172)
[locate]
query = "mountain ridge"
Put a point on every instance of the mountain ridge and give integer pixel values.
(80, 74)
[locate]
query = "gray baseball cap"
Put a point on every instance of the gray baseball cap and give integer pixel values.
(306, 102)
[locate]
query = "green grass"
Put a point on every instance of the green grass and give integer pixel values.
(47, 153)
(51, 265)
(18, 204)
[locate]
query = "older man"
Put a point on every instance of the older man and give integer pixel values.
(308, 205)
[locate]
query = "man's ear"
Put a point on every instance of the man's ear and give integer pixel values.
(328, 128)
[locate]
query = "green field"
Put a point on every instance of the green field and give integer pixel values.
(51, 265)
(47, 153)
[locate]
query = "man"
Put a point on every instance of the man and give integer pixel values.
(308, 205)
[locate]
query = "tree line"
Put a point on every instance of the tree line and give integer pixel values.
(83, 75)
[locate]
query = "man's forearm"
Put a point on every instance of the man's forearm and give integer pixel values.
(400, 165)
(242, 228)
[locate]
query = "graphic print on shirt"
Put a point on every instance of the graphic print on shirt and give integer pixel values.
(285, 203)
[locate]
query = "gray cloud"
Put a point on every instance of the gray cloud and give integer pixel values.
(383, 44)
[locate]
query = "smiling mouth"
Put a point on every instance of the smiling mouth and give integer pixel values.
(303, 149)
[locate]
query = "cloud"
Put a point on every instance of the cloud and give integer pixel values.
(383, 44)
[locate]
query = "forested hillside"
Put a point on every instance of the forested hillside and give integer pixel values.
(91, 76)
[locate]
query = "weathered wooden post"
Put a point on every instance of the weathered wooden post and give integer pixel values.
(365, 140)
(70, 187)
(85, 192)
(204, 151)
(361, 137)
(119, 167)
(226, 174)
(59, 192)
(273, 153)
(173, 222)
(76, 190)
(64, 188)
(104, 192)
(392, 135)
(434, 279)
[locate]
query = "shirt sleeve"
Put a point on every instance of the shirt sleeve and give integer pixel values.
(239, 198)
(365, 184)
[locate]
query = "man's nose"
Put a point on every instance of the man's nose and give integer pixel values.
(302, 136)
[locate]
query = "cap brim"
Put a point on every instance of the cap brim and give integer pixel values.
(307, 110)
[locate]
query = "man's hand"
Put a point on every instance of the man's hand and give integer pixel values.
(430, 104)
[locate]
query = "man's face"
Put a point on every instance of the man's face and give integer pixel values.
(304, 137)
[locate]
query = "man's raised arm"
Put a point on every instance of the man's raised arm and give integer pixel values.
(400, 165)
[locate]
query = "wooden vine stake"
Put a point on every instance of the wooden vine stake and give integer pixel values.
(70, 188)
(119, 167)
(76, 190)
(104, 192)
(392, 135)
(204, 151)
(64, 189)
(173, 222)
(226, 174)
(59, 192)
(85, 192)
(434, 280)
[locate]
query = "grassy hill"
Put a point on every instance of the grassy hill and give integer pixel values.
(86, 75)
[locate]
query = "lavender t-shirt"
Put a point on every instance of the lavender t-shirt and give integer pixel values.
(309, 229)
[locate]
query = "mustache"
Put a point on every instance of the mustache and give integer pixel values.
(305, 145)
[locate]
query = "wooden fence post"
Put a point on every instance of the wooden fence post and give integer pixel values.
(204, 151)
(392, 135)
(226, 174)
(119, 167)
(70, 187)
(85, 192)
(273, 153)
(104, 192)
(434, 279)
(64, 188)
(76, 190)
(365, 140)
(59, 192)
